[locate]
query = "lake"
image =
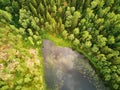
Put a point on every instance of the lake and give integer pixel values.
(66, 69)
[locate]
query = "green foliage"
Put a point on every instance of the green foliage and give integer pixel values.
(33, 2)
(111, 40)
(4, 3)
(107, 77)
(116, 86)
(33, 9)
(34, 24)
(94, 3)
(65, 34)
(76, 31)
(71, 37)
(6, 87)
(101, 41)
(76, 42)
(86, 36)
(30, 32)
(50, 19)
(5, 15)
(88, 44)
(24, 18)
(21, 65)
(15, 6)
(31, 40)
(41, 8)
(75, 18)
(101, 57)
(106, 50)
(116, 60)
(68, 22)
(48, 26)
(72, 9)
(89, 13)
(95, 49)
(91, 25)
(110, 2)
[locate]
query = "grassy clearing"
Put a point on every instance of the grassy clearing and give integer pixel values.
(58, 40)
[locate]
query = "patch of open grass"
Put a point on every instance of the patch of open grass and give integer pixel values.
(58, 40)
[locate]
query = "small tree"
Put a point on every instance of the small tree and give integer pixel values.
(75, 18)
(7, 16)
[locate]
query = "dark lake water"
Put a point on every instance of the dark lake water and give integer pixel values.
(66, 69)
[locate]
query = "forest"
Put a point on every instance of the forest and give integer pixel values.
(90, 27)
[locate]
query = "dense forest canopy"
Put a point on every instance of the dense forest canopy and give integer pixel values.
(92, 26)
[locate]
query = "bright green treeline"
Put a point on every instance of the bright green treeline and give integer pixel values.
(93, 26)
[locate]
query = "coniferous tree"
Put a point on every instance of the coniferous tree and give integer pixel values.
(34, 3)
(5, 15)
(75, 19)
(15, 6)
(41, 9)
(33, 9)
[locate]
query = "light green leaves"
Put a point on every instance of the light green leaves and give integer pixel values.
(33, 9)
(95, 49)
(71, 37)
(94, 3)
(20, 81)
(31, 40)
(111, 40)
(107, 77)
(88, 44)
(76, 42)
(5, 15)
(65, 34)
(75, 18)
(27, 79)
(86, 36)
(101, 41)
(6, 87)
(76, 31)
(68, 22)
(30, 32)
(101, 57)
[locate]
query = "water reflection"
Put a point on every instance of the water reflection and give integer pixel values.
(66, 69)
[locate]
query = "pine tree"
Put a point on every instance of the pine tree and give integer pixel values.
(34, 3)
(15, 6)
(33, 9)
(5, 15)
(41, 8)
(75, 19)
